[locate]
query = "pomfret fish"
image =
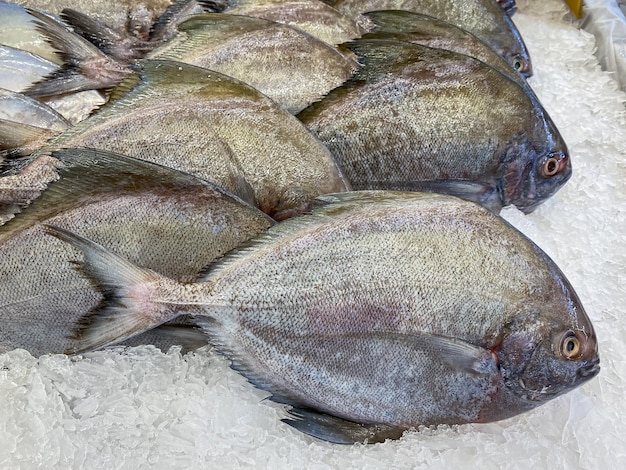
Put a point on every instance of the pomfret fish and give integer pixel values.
(291, 67)
(483, 18)
(415, 118)
(376, 313)
(215, 127)
(168, 221)
(412, 27)
(313, 16)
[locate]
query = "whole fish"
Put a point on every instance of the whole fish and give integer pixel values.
(483, 18)
(415, 118)
(313, 16)
(291, 67)
(412, 27)
(376, 313)
(168, 221)
(215, 127)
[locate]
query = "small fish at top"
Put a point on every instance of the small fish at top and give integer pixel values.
(483, 18)
(288, 65)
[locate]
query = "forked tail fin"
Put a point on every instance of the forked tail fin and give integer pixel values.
(130, 295)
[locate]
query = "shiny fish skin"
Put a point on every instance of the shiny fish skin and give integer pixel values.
(313, 16)
(428, 31)
(291, 67)
(388, 309)
(483, 18)
(415, 118)
(159, 218)
(215, 127)
(20, 69)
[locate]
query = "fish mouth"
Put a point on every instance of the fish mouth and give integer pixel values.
(547, 392)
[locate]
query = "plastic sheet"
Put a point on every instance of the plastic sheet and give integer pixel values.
(606, 20)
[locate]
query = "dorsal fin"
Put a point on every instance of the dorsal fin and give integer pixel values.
(86, 173)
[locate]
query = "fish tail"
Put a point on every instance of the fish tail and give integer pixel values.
(130, 303)
(85, 66)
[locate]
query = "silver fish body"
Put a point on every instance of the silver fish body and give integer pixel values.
(313, 16)
(432, 32)
(483, 18)
(159, 218)
(289, 66)
(415, 118)
(216, 128)
(20, 69)
(375, 313)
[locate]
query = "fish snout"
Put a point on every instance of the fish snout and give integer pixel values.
(589, 370)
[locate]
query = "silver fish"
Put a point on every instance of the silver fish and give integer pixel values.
(19, 70)
(168, 221)
(313, 16)
(415, 118)
(18, 30)
(289, 66)
(27, 123)
(412, 27)
(376, 313)
(214, 127)
(483, 18)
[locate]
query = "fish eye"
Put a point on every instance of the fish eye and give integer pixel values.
(570, 346)
(553, 165)
(519, 63)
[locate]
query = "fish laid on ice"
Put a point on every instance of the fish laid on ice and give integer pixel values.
(483, 18)
(415, 118)
(374, 314)
(291, 67)
(215, 127)
(159, 218)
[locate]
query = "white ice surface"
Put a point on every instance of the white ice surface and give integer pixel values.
(140, 408)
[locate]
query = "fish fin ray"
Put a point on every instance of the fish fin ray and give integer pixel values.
(123, 312)
(340, 431)
(18, 137)
(85, 66)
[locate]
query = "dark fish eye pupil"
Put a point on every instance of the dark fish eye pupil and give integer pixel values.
(570, 345)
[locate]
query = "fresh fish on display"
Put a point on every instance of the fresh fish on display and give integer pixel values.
(411, 27)
(415, 118)
(483, 18)
(289, 66)
(162, 219)
(215, 127)
(313, 16)
(376, 313)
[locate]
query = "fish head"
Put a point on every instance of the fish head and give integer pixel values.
(517, 54)
(534, 170)
(550, 352)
